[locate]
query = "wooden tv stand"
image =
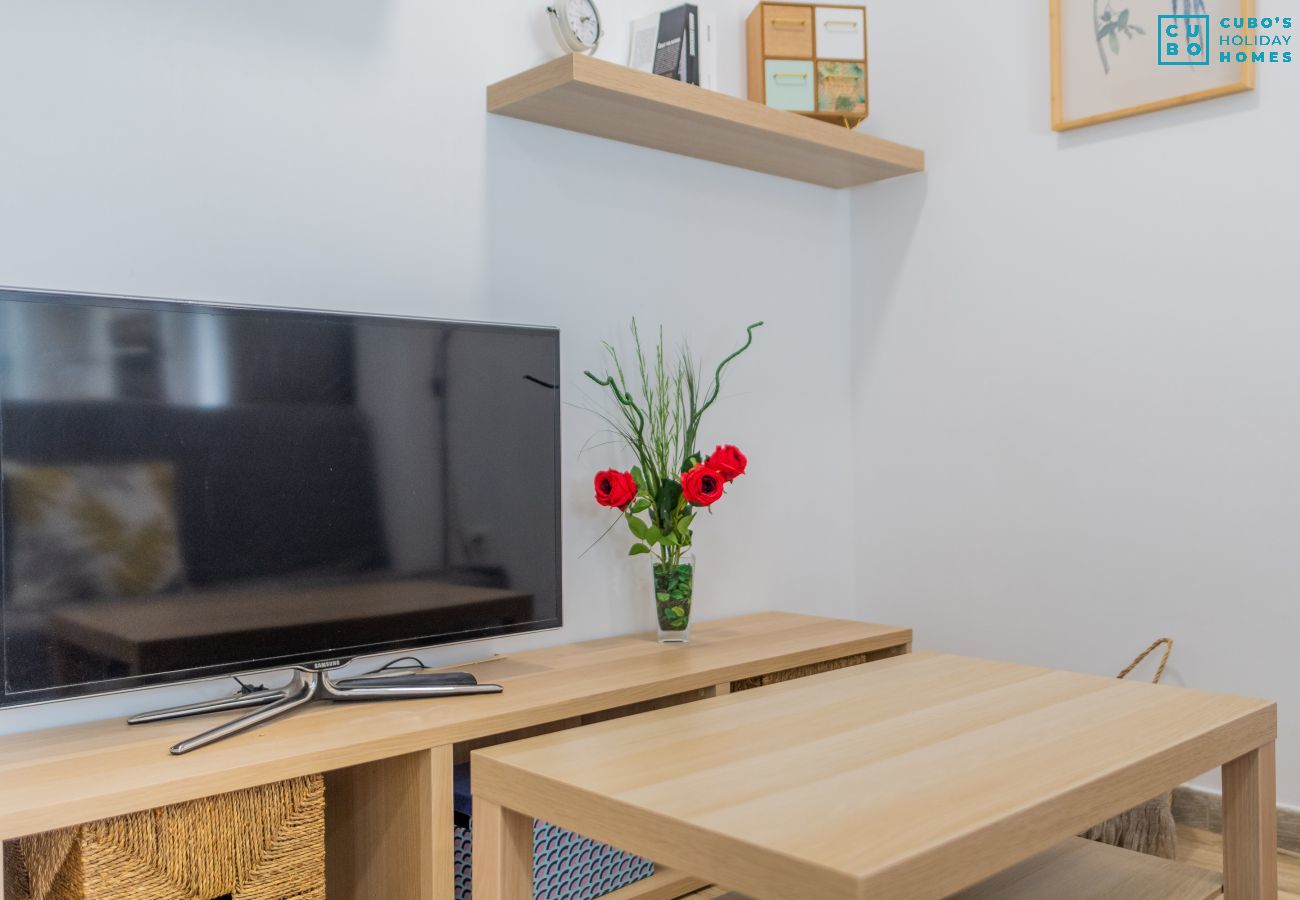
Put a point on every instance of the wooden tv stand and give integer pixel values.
(389, 765)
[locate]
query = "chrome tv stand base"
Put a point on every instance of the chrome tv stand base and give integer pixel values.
(308, 684)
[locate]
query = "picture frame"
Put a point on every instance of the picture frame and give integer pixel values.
(1104, 64)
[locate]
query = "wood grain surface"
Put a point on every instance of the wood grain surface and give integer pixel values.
(64, 776)
(580, 93)
(918, 775)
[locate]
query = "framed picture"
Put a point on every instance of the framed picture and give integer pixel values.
(1117, 58)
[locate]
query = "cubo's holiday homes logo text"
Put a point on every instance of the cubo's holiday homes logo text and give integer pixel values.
(1265, 39)
(1186, 39)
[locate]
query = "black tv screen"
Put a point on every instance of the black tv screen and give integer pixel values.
(192, 490)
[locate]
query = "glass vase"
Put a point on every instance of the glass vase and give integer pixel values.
(674, 586)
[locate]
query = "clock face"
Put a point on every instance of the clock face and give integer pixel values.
(582, 19)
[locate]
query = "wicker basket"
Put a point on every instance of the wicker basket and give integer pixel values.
(264, 843)
(1148, 828)
(829, 665)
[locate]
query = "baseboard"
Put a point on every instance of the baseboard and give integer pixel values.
(1200, 808)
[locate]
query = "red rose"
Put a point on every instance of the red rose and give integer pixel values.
(702, 485)
(728, 461)
(615, 488)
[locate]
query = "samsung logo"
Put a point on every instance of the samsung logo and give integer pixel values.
(327, 664)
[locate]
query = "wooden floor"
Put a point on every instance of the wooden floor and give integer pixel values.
(1195, 847)
(1205, 849)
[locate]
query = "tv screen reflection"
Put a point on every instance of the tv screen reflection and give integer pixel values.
(190, 489)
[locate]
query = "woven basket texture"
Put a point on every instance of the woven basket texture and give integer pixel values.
(829, 665)
(264, 843)
(1148, 828)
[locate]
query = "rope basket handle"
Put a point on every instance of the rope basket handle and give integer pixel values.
(1164, 660)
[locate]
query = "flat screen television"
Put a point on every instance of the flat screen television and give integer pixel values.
(192, 490)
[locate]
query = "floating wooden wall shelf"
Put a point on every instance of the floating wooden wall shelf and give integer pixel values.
(612, 101)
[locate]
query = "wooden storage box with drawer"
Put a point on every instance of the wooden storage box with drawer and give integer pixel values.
(809, 59)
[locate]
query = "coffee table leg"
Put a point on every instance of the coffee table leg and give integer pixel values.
(1250, 825)
(503, 853)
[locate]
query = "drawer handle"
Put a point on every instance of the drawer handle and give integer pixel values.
(797, 23)
(851, 23)
(802, 76)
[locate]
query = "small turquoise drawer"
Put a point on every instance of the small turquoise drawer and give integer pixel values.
(789, 84)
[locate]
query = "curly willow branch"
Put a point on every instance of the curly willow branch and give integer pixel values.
(625, 400)
(717, 374)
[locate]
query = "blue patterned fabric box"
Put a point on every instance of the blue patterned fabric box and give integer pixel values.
(566, 866)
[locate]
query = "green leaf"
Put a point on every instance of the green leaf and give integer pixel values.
(638, 477)
(662, 596)
(1123, 19)
(670, 492)
(638, 549)
(1101, 33)
(1114, 42)
(639, 506)
(677, 612)
(639, 529)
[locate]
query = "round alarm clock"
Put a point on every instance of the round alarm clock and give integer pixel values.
(576, 24)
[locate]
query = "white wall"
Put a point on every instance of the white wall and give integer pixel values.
(1076, 368)
(335, 153)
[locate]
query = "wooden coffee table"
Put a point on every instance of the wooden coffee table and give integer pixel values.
(912, 777)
